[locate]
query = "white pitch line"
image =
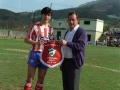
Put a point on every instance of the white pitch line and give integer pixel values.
(9, 54)
(103, 68)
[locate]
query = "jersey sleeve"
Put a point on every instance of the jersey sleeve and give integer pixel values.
(30, 32)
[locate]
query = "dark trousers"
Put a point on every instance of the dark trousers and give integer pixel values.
(70, 75)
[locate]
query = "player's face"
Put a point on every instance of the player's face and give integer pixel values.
(46, 17)
(72, 21)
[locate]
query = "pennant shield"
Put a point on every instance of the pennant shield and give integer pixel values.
(52, 54)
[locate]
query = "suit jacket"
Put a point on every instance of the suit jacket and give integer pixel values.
(78, 45)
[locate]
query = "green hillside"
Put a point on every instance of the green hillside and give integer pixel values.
(107, 10)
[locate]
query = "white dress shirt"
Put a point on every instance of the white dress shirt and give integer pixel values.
(69, 36)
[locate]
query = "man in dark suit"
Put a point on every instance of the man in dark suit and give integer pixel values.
(74, 44)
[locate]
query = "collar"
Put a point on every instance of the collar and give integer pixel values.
(75, 28)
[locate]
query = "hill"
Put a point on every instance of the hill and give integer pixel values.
(107, 10)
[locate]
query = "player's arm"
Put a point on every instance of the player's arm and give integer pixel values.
(26, 40)
(32, 42)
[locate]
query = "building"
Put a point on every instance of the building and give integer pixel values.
(93, 27)
(60, 27)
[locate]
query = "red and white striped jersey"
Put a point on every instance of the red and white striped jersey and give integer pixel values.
(36, 31)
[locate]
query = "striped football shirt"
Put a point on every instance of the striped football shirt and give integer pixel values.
(36, 31)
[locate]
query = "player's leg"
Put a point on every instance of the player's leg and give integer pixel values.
(31, 69)
(41, 75)
(30, 77)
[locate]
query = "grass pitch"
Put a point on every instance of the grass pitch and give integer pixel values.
(101, 70)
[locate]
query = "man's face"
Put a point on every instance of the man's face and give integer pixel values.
(72, 21)
(46, 17)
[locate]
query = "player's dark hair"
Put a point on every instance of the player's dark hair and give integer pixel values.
(46, 10)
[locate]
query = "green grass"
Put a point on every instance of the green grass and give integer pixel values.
(101, 70)
(112, 16)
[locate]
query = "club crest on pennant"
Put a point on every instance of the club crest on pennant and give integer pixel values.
(51, 51)
(52, 54)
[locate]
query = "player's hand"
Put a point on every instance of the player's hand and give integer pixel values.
(41, 41)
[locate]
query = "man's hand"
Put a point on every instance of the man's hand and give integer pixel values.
(62, 42)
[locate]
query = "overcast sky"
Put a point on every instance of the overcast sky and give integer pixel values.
(32, 5)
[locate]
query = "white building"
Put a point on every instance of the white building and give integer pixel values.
(93, 27)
